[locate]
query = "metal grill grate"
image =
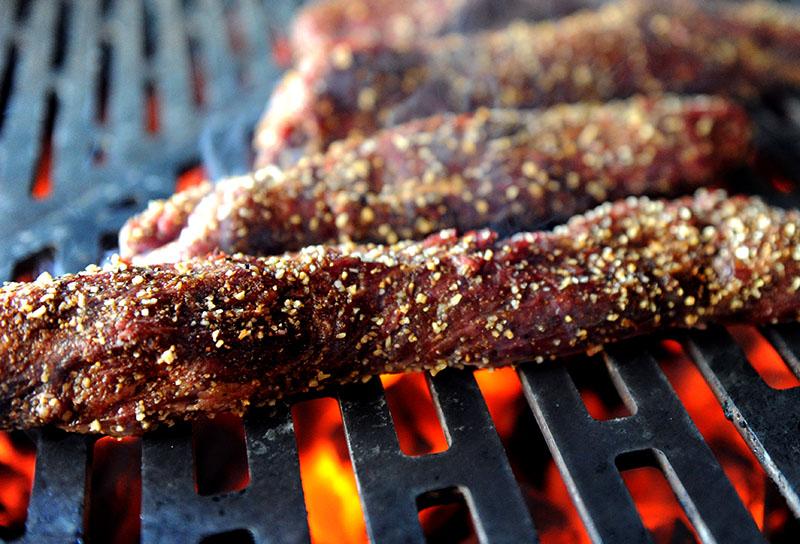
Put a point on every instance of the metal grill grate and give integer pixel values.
(106, 61)
(76, 79)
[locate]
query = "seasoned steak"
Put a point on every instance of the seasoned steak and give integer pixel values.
(121, 350)
(321, 25)
(627, 47)
(509, 170)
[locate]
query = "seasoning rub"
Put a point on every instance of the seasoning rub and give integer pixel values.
(504, 169)
(108, 353)
(623, 48)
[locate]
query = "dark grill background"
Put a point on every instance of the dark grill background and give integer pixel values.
(77, 80)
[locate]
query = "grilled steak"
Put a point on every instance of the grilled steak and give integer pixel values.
(323, 24)
(121, 350)
(631, 46)
(506, 169)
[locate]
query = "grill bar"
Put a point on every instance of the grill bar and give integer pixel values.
(172, 70)
(255, 20)
(26, 109)
(126, 101)
(56, 510)
(271, 508)
(392, 485)
(73, 134)
(99, 161)
(589, 451)
(222, 75)
(766, 417)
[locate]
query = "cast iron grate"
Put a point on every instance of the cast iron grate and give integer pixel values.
(108, 98)
(107, 160)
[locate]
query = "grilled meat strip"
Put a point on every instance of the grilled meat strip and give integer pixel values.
(628, 47)
(504, 169)
(322, 25)
(121, 350)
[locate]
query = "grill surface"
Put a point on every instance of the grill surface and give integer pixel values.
(105, 61)
(76, 79)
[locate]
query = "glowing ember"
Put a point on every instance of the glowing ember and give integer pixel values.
(282, 51)
(152, 121)
(43, 183)
(190, 178)
(655, 501)
(419, 430)
(783, 184)
(334, 511)
(502, 392)
(764, 358)
(17, 462)
(115, 491)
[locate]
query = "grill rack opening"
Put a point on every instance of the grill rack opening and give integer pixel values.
(145, 41)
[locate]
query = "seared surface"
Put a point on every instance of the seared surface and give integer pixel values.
(322, 24)
(630, 46)
(121, 350)
(505, 169)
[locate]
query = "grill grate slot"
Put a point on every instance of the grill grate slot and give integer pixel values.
(390, 482)
(586, 451)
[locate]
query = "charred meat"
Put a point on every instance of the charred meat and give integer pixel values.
(628, 47)
(122, 350)
(509, 170)
(324, 24)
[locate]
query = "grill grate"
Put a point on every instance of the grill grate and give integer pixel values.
(765, 417)
(659, 428)
(271, 507)
(107, 160)
(474, 465)
(78, 76)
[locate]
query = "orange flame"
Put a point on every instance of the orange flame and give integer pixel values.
(419, 430)
(190, 178)
(657, 505)
(329, 486)
(16, 479)
(43, 182)
(764, 358)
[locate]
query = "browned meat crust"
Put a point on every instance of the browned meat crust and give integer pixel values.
(162, 221)
(631, 46)
(364, 23)
(504, 169)
(121, 350)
